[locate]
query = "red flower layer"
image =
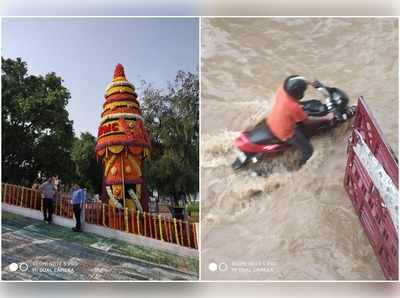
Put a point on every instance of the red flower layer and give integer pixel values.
(119, 181)
(119, 71)
(120, 141)
(121, 97)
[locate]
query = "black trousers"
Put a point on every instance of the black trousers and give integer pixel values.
(47, 209)
(77, 213)
(300, 141)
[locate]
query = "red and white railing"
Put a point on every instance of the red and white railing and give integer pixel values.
(154, 226)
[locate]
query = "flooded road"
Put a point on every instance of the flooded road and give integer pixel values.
(295, 224)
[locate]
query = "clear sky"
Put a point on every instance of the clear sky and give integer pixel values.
(84, 52)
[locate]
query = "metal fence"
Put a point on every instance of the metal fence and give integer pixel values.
(128, 220)
(29, 198)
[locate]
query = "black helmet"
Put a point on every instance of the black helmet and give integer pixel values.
(295, 86)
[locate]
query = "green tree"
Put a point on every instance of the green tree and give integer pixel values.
(37, 133)
(172, 119)
(88, 170)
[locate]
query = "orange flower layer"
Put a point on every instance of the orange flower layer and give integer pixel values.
(120, 138)
(123, 109)
(124, 169)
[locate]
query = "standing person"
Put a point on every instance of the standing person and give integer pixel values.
(35, 185)
(48, 192)
(78, 198)
(56, 182)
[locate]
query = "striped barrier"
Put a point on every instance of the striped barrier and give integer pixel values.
(150, 225)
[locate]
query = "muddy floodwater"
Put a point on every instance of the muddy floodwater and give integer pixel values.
(292, 224)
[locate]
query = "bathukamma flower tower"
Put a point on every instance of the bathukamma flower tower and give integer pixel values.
(122, 145)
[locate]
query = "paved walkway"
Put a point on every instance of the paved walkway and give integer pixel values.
(53, 252)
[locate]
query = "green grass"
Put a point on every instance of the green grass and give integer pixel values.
(10, 216)
(182, 263)
(193, 207)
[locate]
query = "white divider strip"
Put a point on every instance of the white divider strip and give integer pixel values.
(382, 181)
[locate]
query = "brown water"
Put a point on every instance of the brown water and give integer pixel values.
(295, 224)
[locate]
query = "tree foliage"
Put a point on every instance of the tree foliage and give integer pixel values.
(37, 134)
(36, 131)
(172, 118)
(87, 170)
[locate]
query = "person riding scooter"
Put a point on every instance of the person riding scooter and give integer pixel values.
(288, 112)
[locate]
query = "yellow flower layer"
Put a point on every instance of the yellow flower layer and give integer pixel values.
(119, 79)
(119, 89)
(115, 104)
(120, 83)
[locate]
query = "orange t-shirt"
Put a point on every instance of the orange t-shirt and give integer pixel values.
(285, 113)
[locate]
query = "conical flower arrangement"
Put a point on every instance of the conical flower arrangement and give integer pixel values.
(122, 144)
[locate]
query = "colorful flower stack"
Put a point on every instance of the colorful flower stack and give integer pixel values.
(122, 144)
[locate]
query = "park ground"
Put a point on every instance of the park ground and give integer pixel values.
(53, 252)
